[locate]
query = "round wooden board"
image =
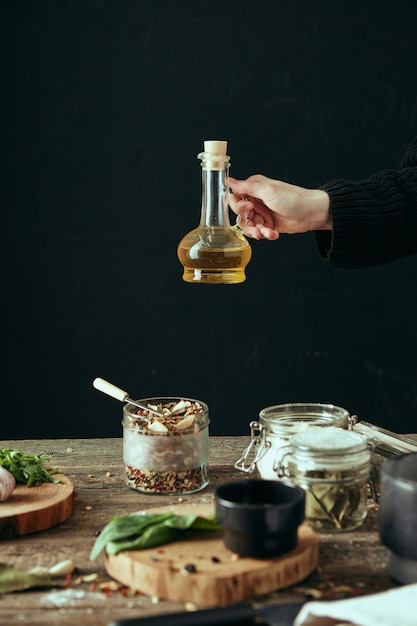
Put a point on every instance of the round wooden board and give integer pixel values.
(220, 577)
(30, 509)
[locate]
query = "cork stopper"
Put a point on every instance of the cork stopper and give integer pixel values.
(215, 147)
(215, 156)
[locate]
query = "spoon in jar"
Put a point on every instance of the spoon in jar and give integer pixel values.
(119, 394)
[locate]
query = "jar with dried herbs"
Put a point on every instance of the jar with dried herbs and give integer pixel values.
(332, 465)
(166, 453)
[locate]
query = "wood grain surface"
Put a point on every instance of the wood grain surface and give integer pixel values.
(36, 508)
(220, 578)
(351, 563)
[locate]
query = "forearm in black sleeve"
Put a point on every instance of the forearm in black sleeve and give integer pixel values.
(374, 221)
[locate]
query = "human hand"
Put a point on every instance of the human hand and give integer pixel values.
(272, 207)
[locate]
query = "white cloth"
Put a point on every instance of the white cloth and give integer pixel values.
(396, 607)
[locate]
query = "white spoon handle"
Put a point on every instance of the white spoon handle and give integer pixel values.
(110, 389)
(120, 394)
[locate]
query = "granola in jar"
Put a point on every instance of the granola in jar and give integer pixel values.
(166, 453)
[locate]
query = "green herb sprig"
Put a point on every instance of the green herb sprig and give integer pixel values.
(14, 579)
(28, 469)
(142, 530)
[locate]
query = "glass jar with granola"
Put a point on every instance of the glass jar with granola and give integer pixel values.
(166, 453)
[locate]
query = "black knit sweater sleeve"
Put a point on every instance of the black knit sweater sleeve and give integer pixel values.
(374, 221)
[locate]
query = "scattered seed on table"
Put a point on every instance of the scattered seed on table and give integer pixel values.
(190, 568)
(89, 578)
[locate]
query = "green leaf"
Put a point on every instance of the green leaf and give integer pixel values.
(156, 535)
(13, 579)
(184, 522)
(206, 523)
(136, 532)
(28, 469)
(122, 527)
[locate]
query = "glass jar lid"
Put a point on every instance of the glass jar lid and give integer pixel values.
(288, 419)
(329, 441)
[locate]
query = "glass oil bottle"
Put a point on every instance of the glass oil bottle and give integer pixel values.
(215, 252)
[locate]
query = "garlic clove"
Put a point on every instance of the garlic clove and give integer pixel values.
(7, 483)
(157, 427)
(180, 406)
(186, 422)
(63, 568)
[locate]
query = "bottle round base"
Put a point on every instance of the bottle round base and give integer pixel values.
(225, 276)
(402, 569)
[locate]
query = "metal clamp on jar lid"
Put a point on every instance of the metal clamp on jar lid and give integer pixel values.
(385, 442)
(277, 424)
(255, 451)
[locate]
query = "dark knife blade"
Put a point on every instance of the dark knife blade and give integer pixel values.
(238, 614)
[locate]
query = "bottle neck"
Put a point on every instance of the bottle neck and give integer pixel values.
(214, 200)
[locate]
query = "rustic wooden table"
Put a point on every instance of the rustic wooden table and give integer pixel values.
(351, 563)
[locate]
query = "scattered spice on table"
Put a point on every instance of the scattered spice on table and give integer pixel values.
(190, 568)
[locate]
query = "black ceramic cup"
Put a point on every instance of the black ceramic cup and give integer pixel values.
(260, 518)
(398, 515)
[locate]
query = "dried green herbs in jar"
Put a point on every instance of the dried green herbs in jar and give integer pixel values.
(332, 466)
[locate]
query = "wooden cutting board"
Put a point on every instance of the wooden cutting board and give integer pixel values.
(220, 578)
(30, 509)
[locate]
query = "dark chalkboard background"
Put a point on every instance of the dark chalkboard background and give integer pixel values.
(106, 104)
